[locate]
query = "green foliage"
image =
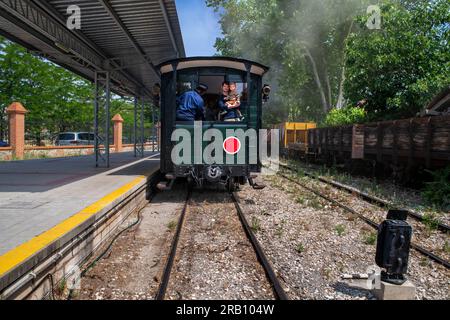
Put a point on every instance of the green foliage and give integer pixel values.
(430, 221)
(303, 43)
(57, 100)
(437, 192)
(446, 247)
(54, 97)
(322, 55)
(370, 238)
(172, 225)
(340, 229)
(256, 224)
(300, 248)
(399, 68)
(345, 116)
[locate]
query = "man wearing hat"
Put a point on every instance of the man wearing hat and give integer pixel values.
(191, 106)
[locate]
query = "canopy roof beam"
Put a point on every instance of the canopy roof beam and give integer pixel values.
(169, 27)
(124, 29)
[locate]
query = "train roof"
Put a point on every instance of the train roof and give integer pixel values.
(224, 62)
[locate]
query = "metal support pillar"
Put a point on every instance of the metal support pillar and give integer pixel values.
(102, 118)
(154, 129)
(142, 128)
(139, 140)
(135, 127)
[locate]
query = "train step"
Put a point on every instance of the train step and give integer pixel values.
(170, 176)
(165, 185)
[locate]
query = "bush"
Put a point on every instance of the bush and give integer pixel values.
(345, 116)
(437, 192)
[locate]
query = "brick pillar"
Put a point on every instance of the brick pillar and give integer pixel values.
(118, 129)
(16, 113)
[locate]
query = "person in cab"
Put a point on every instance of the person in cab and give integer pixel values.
(191, 106)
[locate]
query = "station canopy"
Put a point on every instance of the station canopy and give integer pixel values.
(128, 38)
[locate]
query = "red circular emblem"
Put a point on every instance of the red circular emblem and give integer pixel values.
(231, 145)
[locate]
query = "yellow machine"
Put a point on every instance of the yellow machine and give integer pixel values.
(294, 135)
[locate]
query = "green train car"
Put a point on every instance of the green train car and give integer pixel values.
(187, 147)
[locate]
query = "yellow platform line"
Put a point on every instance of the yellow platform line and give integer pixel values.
(18, 255)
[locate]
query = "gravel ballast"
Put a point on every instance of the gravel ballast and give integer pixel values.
(312, 243)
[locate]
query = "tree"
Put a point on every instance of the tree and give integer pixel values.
(57, 100)
(399, 68)
(302, 41)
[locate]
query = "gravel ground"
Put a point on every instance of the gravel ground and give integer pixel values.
(424, 235)
(312, 243)
(398, 195)
(131, 270)
(215, 260)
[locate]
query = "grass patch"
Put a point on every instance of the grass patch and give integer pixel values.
(315, 203)
(437, 192)
(279, 229)
(300, 200)
(172, 225)
(446, 247)
(430, 221)
(370, 238)
(326, 272)
(61, 287)
(424, 262)
(340, 230)
(256, 224)
(300, 248)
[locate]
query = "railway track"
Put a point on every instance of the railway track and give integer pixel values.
(367, 197)
(278, 290)
(370, 222)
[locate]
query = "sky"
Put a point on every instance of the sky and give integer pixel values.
(199, 26)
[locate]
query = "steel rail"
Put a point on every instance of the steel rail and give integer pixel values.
(370, 222)
(367, 197)
(278, 289)
(173, 250)
(113, 14)
(276, 285)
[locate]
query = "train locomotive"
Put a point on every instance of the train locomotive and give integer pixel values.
(233, 162)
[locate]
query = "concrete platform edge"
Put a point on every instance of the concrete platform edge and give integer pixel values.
(24, 268)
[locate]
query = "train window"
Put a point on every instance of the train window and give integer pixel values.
(186, 82)
(189, 80)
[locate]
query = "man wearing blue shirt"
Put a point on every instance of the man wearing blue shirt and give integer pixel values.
(190, 105)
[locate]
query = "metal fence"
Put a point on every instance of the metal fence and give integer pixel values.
(4, 131)
(38, 135)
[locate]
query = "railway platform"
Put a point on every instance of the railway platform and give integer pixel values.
(45, 203)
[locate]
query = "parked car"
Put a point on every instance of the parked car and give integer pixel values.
(3, 144)
(75, 138)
